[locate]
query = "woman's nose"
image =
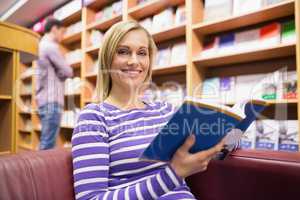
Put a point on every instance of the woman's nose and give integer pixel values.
(133, 59)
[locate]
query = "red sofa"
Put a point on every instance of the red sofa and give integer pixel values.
(242, 176)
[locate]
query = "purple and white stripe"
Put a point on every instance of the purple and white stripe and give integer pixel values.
(106, 144)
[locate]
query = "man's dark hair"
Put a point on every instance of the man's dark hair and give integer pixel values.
(50, 23)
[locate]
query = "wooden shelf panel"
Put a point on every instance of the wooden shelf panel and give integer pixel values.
(26, 78)
(5, 97)
(24, 113)
(75, 17)
(98, 5)
(26, 146)
(25, 131)
(274, 102)
(2, 153)
(91, 76)
(92, 50)
(152, 7)
(278, 51)
(69, 39)
(76, 65)
(67, 127)
(169, 69)
(26, 94)
(268, 13)
(104, 25)
(169, 34)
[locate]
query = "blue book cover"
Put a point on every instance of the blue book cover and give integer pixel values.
(210, 123)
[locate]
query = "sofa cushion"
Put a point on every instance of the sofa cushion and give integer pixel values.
(37, 175)
(252, 175)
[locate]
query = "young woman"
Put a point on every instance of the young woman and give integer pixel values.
(110, 136)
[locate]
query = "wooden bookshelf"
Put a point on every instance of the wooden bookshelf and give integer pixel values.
(94, 50)
(105, 24)
(150, 8)
(169, 34)
(74, 17)
(196, 68)
(12, 54)
(277, 51)
(69, 39)
(276, 11)
(5, 97)
(179, 68)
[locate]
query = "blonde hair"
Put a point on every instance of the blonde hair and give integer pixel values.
(108, 48)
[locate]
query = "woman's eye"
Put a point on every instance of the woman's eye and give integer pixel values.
(143, 53)
(122, 51)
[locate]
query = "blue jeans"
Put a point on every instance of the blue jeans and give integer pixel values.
(50, 116)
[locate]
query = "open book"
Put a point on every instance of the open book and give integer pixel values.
(209, 122)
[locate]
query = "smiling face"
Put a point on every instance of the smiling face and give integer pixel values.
(131, 61)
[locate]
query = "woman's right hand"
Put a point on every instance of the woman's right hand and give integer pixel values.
(185, 164)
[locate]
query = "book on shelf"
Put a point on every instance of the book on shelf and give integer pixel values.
(180, 16)
(245, 6)
(178, 53)
(163, 57)
(96, 37)
(73, 28)
(163, 20)
(288, 32)
(227, 43)
(247, 40)
(211, 89)
(217, 9)
(147, 24)
(210, 123)
(248, 138)
(227, 88)
(270, 34)
(277, 85)
(117, 7)
(67, 10)
(289, 90)
(288, 135)
(266, 135)
(172, 93)
(271, 2)
(210, 47)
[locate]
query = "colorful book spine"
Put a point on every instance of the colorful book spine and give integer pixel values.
(288, 32)
(270, 35)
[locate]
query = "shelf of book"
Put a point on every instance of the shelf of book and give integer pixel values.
(272, 12)
(105, 24)
(2, 153)
(96, 4)
(169, 34)
(169, 69)
(194, 71)
(26, 146)
(92, 50)
(67, 127)
(69, 39)
(151, 7)
(5, 97)
(74, 17)
(76, 65)
(275, 51)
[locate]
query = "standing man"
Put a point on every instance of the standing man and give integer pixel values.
(52, 71)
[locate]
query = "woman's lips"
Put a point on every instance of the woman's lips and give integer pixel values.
(131, 72)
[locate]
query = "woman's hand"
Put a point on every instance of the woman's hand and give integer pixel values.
(186, 164)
